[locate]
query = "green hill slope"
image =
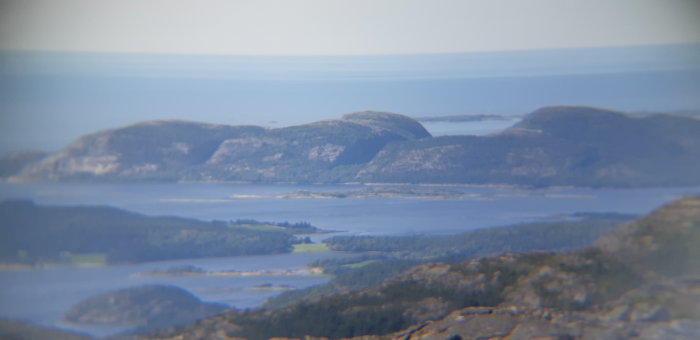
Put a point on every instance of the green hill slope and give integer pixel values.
(34, 235)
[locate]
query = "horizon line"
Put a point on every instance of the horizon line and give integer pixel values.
(340, 55)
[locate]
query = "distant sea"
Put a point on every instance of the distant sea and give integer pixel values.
(49, 99)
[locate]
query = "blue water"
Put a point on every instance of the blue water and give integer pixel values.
(395, 216)
(44, 295)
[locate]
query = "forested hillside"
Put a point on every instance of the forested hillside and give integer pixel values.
(641, 279)
(35, 234)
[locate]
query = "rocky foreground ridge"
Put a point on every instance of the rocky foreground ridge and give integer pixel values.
(576, 146)
(642, 282)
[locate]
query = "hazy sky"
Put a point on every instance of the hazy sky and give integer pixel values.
(199, 60)
(330, 27)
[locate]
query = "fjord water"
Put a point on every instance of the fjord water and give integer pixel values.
(488, 205)
(44, 295)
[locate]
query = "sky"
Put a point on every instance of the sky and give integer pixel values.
(342, 27)
(72, 67)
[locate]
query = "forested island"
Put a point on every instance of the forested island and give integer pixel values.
(146, 308)
(189, 270)
(409, 192)
(36, 235)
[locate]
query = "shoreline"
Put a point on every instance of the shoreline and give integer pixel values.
(306, 271)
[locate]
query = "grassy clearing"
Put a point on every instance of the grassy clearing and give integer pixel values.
(359, 264)
(311, 248)
(258, 227)
(87, 260)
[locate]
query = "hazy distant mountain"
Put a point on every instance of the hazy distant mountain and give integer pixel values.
(325, 151)
(158, 150)
(578, 146)
(176, 150)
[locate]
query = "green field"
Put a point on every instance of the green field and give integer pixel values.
(359, 264)
(86, 260)
(311, 248)
(258, 227)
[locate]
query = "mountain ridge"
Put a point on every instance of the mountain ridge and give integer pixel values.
(553, 146)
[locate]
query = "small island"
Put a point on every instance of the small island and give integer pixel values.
(269, 286)
(383, 192)
(467, 118)
(417, 193)
(36, 236)
(145, 307)
(188, 270)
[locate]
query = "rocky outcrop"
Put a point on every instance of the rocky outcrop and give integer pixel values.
(665, 310)
(565, 296)
(325, 151)
(546, 323)
(161, 150)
